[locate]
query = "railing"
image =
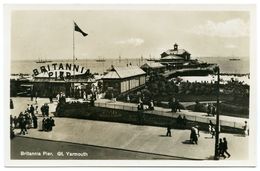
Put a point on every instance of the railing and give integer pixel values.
(168, 113)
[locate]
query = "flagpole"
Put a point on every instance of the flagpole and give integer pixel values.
(73, 49)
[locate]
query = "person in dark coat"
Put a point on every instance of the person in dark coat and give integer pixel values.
(15, 122)
(11, 104)
(44, 124)
(193, 136)
(32, 110)
(221, 149)
(177, 106)
(52, 121)
(225, 147)
(47, 110)
(184, 122)
(35, 122)
(168, 133)
(23, 126)
(48, 124)
(43, 110)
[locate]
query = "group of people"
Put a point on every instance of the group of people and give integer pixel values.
(47, 124)
(141, 106)
(181, 122)
(25, 120)
(222, 148)
(45, 110)
(28, 119)
(211, 109)
(175, 105)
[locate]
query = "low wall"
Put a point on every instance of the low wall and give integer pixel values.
(86, 111)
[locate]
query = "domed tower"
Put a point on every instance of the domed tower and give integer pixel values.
(175, 47)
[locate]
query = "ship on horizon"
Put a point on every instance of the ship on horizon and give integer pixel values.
(234, 59)
(100, 60)
(43, 61)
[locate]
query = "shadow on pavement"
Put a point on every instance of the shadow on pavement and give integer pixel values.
(187, 142)
(163, 136)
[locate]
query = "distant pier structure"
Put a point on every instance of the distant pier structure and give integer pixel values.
(175, 56)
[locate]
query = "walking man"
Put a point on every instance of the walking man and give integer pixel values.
(225, 147)
(168, 133)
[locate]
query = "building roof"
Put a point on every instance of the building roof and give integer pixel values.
(124, 72)
(176, 52)
(172, 57)
(152, 65)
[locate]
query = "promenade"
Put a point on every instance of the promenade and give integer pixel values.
(146, 139)
(234, 122)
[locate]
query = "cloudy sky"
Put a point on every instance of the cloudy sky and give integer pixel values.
(130, 34)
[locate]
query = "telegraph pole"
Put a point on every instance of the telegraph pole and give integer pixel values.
(216, 157)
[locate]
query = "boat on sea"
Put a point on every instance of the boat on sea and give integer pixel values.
(100, 60)
(43, 61)
(234, 59)
(40, 61)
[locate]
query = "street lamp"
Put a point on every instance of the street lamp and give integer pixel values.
(216, 157)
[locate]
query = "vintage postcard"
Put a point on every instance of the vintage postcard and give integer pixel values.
(130, 85)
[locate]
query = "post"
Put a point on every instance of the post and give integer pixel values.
(216, 157)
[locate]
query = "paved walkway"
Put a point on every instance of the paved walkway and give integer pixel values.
(132, 137)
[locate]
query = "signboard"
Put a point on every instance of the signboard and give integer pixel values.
(59, 70)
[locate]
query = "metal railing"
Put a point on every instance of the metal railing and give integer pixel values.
(168, 113)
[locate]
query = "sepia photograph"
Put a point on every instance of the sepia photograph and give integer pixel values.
(131, 83)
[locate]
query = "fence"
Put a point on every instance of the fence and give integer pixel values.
(167, 113)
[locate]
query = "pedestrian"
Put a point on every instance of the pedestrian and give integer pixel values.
(184, 122)
(43, 110)
(127, 99)
(32, 110)
(50, 98)
(179, 121)
(36, 96)
(52, 121)
(11, 104)
(43, 124)
(173, 105)
(151, 105)
(36, 110)
(214, 110)
(208, 109)
(212, 131)
(15, 122)
(11, 121)
(35, 122)
(48, 124)
(178, 106)
(31, 95)
(221, 149)
(168, 133)
(28, 108)
(84, 96)
(246, 129)
(225, 147)
(23, 126)
(194, 136)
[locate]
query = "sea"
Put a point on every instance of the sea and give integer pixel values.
(226, 65)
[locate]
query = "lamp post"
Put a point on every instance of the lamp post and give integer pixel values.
(216, 157)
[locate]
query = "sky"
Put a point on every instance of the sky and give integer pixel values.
(128, 33)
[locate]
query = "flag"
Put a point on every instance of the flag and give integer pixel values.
(76, 28)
